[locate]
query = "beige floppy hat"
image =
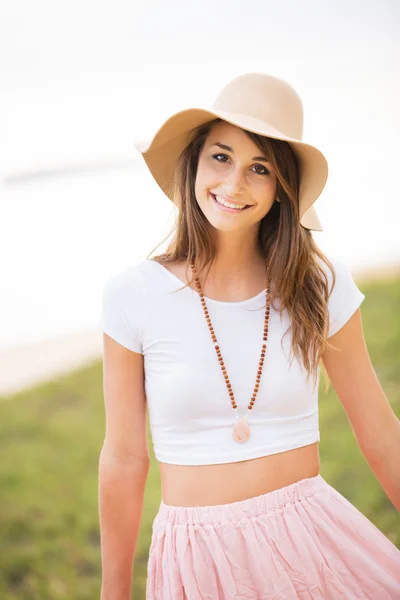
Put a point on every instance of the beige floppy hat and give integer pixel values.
(256, 102)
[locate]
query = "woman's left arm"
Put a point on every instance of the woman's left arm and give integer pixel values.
(375, 425)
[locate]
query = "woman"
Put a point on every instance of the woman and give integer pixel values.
(242, 308)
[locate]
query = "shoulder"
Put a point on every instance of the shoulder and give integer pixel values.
(344, 295)
(340, 267)
(124, 306)
(126, 285)
(132, 278)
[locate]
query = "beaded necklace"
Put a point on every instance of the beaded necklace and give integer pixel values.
(241, 429)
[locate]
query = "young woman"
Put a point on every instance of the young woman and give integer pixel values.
(222, 338)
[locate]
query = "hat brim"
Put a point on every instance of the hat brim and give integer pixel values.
(162, 152)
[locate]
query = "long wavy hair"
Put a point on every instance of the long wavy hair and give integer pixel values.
(296, 276)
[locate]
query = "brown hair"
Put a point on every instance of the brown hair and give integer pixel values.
(296, 275)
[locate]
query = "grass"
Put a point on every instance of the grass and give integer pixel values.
(50, 440)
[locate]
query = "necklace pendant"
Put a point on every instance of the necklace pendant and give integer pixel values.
(241, 431)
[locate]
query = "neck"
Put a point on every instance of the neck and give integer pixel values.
(238, 259)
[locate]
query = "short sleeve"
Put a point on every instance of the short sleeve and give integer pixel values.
(345, 297)
(123, 309)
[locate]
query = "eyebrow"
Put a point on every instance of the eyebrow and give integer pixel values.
(225, 147)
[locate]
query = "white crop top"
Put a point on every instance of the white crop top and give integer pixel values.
(190, 414)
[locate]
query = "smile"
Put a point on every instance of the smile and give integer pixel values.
(229, 206)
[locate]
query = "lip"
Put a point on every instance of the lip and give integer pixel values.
(225, 208)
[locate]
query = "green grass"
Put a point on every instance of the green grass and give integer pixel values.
(50, 440)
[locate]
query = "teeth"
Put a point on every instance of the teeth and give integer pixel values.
(225, 203)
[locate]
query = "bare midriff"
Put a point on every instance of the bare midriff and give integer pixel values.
(207, 485)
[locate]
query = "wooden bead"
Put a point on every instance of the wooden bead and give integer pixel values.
(217, 348)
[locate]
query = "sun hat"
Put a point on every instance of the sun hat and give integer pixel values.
(256, 102)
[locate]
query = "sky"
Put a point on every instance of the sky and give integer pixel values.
(81, 81)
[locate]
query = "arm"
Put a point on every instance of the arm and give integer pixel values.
(375, 425)
(123, 467)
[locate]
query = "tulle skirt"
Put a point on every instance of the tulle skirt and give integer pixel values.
(304, 540)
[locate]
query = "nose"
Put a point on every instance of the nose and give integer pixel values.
(234, 182)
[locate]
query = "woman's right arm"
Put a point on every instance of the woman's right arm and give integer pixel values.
(123, 466)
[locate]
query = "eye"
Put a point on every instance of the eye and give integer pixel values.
(263, 172)
(217, 155)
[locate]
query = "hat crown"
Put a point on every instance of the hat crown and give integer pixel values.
(265, 98)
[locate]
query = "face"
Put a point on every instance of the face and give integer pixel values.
(232, 169)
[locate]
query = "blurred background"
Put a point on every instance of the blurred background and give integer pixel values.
(80, 81)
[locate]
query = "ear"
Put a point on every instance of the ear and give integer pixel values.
(277, 199)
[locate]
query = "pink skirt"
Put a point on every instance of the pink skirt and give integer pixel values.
(304, 540)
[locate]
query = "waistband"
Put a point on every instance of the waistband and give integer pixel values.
(250, 507)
